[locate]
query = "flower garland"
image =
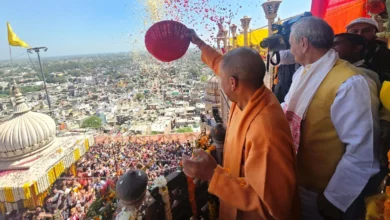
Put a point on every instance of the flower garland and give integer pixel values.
(203, 142)
(210, 149)
(105, 204)
(379, 10)
(376, 6)
(161, 183)
(133, 213)
(191, 195)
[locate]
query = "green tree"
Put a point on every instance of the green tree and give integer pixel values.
(139, 96)
(58, 79)
(92, 122)
(194, 70)
(28, 89)
(203, 78)
(184, 130)
(75, 73)
(154, 132)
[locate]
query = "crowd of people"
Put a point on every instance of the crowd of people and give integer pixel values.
(316, 155)
(73, 193)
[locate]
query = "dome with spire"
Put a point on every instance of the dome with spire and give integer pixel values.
(212, 95)
(25, 132)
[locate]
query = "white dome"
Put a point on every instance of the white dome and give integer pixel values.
(25, 132)
(212, 93)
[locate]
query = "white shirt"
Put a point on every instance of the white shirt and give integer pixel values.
(355, 116)
(373, 75)
(286, 57)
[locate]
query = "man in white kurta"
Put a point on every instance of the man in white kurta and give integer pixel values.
(334, 118)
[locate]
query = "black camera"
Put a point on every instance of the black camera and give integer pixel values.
(279, 41)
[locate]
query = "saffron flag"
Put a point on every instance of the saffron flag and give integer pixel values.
(14, 40)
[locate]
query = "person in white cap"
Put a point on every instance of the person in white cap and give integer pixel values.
(365, 27)
(377, 55)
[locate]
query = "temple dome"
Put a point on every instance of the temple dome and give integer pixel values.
(25, 132)
(212, 94)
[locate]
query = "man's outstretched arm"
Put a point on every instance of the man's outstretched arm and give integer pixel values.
(210, 56)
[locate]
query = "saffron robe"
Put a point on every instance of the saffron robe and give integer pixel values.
(257, 180)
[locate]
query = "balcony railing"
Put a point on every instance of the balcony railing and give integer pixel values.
(180, 205)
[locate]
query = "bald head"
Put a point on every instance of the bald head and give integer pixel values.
(246, 65)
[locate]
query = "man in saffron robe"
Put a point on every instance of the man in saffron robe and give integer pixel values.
(257, 180)
(334, 119)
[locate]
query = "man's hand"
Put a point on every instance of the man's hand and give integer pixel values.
(201, 167)
(194, 37)
(327, 209)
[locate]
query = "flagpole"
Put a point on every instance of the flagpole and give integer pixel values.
(10, 56)
(12, 67)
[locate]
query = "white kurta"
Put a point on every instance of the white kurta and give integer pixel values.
(355, 115)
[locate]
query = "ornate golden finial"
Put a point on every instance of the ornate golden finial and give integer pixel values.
(14, 88)
(20, 103)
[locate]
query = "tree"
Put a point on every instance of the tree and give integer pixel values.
(184, 130)
(92, 122)
(28, 89)
(58, 79)
(194, 70)
(75, 73)
(139, 96)
(203, 78)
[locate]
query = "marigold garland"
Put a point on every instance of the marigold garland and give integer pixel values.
(210, 149)
(86, 143)
(76, 154)
(204, 143)
(9, 196)
(191, 195)
(161, 183)
(26, 190)
(386, 204)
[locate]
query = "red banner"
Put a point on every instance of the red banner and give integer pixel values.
(318, 7)
(339, 13)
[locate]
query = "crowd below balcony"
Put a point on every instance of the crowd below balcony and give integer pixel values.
(73, 193)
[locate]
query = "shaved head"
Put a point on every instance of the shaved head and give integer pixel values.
(244, 64)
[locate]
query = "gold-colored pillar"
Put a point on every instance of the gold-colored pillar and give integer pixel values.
(270, 8)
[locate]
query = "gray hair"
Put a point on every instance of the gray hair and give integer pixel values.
(317, 31)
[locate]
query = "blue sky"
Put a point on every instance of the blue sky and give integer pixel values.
(70, 27)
